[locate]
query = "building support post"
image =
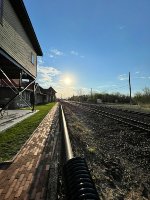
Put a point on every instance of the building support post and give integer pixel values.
(20, 80)
(33, 97)
(17, 93)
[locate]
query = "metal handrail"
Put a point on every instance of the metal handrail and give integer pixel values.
(69, 152)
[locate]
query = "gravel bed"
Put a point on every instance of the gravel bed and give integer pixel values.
(118, 156)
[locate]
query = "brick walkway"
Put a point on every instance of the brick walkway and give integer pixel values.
(26, 178)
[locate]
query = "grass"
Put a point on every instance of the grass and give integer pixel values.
(91, 150)
(145, 106)
(140, 107)
(12, 139)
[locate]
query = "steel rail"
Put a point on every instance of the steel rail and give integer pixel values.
(137, 113)
(124, 122)
(116, 109)
(117, 118)
(126, 112)
(126, 118)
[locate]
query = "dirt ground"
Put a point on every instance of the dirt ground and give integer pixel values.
(118, 156)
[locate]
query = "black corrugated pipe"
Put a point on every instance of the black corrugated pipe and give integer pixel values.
(77, 178)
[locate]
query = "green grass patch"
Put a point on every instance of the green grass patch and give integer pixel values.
(146, 106)
(12, 139)
(91, 150)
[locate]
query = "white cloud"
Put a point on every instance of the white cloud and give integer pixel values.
(50, 76)
(106, 86)
(55, 52)
(51, 71)
(40, 61)
(123, 77)
(142, 77)
(75, 53)
(51, 56)
(46, 75)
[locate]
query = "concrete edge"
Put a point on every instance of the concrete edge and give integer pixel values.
(23, 118)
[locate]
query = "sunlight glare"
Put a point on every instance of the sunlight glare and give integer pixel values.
(67, 80)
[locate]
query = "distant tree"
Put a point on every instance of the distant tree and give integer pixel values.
(142, 97)
(105, 97)
(138, 97)
(146, 91)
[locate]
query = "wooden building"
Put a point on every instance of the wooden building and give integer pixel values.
(44, 95)
(50, 94)
(19, 48)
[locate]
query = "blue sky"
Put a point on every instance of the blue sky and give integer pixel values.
(92, 44)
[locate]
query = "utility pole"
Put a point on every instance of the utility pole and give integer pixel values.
(91, 94)
(130, 89)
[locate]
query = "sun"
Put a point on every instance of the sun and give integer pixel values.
(67, 80)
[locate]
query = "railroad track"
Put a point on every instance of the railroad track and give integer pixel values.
(130, 118)
(77, 179)
(110, 145)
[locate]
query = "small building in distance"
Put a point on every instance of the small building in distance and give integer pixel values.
(44, 95)
(49, 95)
(39, 95)
(98, 100)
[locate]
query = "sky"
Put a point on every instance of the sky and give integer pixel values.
(92, 44)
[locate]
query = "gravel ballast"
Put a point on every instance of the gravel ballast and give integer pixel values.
(118, 156)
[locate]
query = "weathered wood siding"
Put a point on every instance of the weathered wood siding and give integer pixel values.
(14, 40)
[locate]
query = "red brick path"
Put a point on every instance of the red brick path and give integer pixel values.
(26, 177)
